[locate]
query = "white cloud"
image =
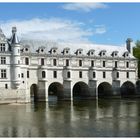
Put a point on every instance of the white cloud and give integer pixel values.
(51, 29)
(86, 7)
(100, 29)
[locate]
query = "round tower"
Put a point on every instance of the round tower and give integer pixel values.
(15, 45)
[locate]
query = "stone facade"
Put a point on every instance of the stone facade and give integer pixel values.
(64, 71)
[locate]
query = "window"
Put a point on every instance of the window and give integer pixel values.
(80, 74)
(92, 63)
(3, 73)
(94, 75)
(127, 64)
(43, 74)
(127, 74)
(26, 49)
(54, 62)
(67, 62)
(68, 74)
(2, 47)
(3, 60)
(42, 61)
(117, 74)
(18, 61)
(116, 64)
(104, 75)
(80, 62)
(18, 50)
(26, 61)
(22, 75)
(28, 74)
(19, 75)
(55, 74)
(6, 86)
(103, 63)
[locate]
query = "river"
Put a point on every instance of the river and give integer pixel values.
(90, 118)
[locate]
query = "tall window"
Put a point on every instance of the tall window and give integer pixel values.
(28, 75)
(55, 74)
(67, 62)
(80, 62)
(3, 60)
(68, 74)
(127, 74)
(104, 75)
(116, 64)
(6, 86)
(54, 62)
(43, 74)
(94, 75)
(92, 63)
(42, 61)
(26, 61)
(104, 63)
(22, 75)
(80, 74)
(3, 73)
(2, 47)
(127, 64)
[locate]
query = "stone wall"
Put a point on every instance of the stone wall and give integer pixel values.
(12, 96)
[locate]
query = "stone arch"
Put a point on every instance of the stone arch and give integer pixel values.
(34, 93)
(81, 90)
(127, 89)
(55, 91)
(105, 89)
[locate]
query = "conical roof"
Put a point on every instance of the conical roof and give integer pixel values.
(14, 39)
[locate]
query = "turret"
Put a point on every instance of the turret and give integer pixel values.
(129, 45)
(15, 45)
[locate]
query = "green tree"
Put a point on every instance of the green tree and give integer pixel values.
(136, 53)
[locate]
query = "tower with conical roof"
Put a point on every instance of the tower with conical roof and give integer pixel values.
(15, 48)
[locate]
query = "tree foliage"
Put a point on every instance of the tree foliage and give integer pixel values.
(136, 53)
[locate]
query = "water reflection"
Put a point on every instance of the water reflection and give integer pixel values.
(71, 119)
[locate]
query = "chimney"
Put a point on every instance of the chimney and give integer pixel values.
(129, 45)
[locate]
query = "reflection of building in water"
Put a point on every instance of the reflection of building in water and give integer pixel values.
(64, 70)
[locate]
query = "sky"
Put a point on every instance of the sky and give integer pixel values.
(100, 23)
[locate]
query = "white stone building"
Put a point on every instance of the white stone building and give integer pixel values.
(64, 70)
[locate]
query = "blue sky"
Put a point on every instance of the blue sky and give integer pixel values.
(103, 23)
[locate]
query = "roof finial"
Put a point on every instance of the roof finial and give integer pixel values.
(14, 30)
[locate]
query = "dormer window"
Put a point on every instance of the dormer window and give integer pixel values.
(91, 52)
(126, 54)
(53, 50)
(26, 49)
(66, 51)
(115, 53)
(41, 49)
(102, 53)
(79, 52)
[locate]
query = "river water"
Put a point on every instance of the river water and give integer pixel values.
(90, 118)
